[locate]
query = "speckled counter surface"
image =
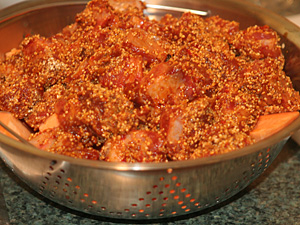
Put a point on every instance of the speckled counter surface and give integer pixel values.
(273, 198)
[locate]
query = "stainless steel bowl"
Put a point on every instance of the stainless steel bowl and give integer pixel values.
(142, 190)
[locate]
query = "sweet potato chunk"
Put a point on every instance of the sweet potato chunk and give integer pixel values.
(50, 123)
(268, 125)
(16, 125)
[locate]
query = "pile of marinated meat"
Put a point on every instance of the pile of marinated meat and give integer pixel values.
(116, 86)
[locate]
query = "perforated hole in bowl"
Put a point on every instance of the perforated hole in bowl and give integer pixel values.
(264, 158)
(163, 193)
(169, 195)
(167, 191)
(55, 181)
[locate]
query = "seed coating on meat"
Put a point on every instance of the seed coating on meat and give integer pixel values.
(117, 86)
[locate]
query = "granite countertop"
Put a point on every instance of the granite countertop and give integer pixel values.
(273, 198)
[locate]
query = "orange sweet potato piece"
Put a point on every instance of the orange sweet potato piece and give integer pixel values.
(268, 125)
(16, 125)
(50, 123)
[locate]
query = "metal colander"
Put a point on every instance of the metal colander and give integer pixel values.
(141, 190)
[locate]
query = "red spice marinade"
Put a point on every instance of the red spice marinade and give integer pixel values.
(121, 87)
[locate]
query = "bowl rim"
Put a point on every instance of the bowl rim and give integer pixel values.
(21, 8)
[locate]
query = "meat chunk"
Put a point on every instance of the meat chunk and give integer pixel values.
(44, 108)
(95, 113)
(140, 42)
(123, 5)
(258, 42)
(57, 141)
(135, 146)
